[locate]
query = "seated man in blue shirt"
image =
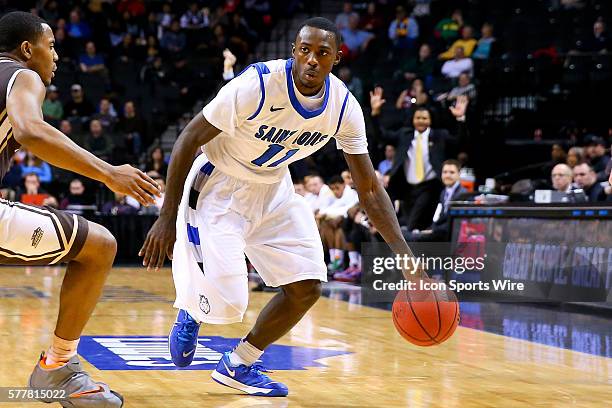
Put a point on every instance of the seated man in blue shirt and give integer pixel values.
(355, 40)
(440, 227)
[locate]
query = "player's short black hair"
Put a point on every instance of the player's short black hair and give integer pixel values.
(17, 27)
(335, 180)
(323, 24)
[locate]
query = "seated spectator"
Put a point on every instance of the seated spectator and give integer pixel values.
(52, 108)
(133, 129)
(415, 96)
(561, 177)
(77, 29)
(66, 128)
(448, 28)
(98, 142)
(439, 230)
(372, 21)
(575, 155)
(165, 18)
(458, 65)
(385, 165)
(321, 197)
(354, 39)
(173, 40)
(403, 30)
(119, 206)
(330, 221)
(596, 154)
(78, 105)
(33, 194)
(77, 196)
(106, 115)
(586, 179)
(342, 19)
(194, 19)
(299, 188)
(600, 41)
(464, 87)
(485, 43)
(33, 165)
(157, 162)
(421, 66)
(467, 42)
(92, 62)
(352, 83)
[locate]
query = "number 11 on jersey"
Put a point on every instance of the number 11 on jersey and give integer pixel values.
(272, 151)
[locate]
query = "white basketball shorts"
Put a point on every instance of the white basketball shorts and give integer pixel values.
(221, 219)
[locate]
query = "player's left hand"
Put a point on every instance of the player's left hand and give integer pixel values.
(159, 243)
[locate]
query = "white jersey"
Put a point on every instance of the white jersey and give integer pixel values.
(264, 127)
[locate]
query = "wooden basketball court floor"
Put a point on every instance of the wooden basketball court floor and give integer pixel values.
(341, 355)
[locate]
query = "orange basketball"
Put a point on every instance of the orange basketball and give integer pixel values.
(426, 317)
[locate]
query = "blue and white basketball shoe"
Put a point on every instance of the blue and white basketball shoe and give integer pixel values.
(183, 339)
(251, 380)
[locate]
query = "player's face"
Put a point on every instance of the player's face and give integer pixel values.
(315, 55)
(42, 55)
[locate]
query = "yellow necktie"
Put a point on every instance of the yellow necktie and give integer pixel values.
(419, 168)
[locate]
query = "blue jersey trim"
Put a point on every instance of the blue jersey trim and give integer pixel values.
(193, 235)
(261, 70)
(342, 112)
(207, 168)
(306, 114)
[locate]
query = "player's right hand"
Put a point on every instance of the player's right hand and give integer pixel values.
(130, 181)
(159, 243)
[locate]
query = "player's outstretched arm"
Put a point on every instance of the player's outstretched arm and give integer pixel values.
(31, 131)
(376, 203)
(161, 236)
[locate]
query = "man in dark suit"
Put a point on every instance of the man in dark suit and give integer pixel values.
(414, 175)
(439, 230)
(586, 179)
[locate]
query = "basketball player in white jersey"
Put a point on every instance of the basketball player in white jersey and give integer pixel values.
(31, 235)
(238, 199)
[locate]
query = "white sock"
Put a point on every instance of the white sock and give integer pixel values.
(354, 258)
(332, 254)
(61, 350)
(245, 353)
(340, 254)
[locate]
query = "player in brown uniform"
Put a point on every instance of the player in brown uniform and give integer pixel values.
(44, 236)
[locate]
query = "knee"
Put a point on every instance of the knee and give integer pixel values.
(100, 245)
(305, 292)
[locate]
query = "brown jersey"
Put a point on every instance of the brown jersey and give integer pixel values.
(9, 68)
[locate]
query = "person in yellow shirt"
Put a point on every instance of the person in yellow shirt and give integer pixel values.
(467, 41)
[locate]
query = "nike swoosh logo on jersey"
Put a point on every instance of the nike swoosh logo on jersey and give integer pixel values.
(273, 109)
(187, 354)
(231, 373)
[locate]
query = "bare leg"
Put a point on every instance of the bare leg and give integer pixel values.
(283, 312)
(83, 282)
